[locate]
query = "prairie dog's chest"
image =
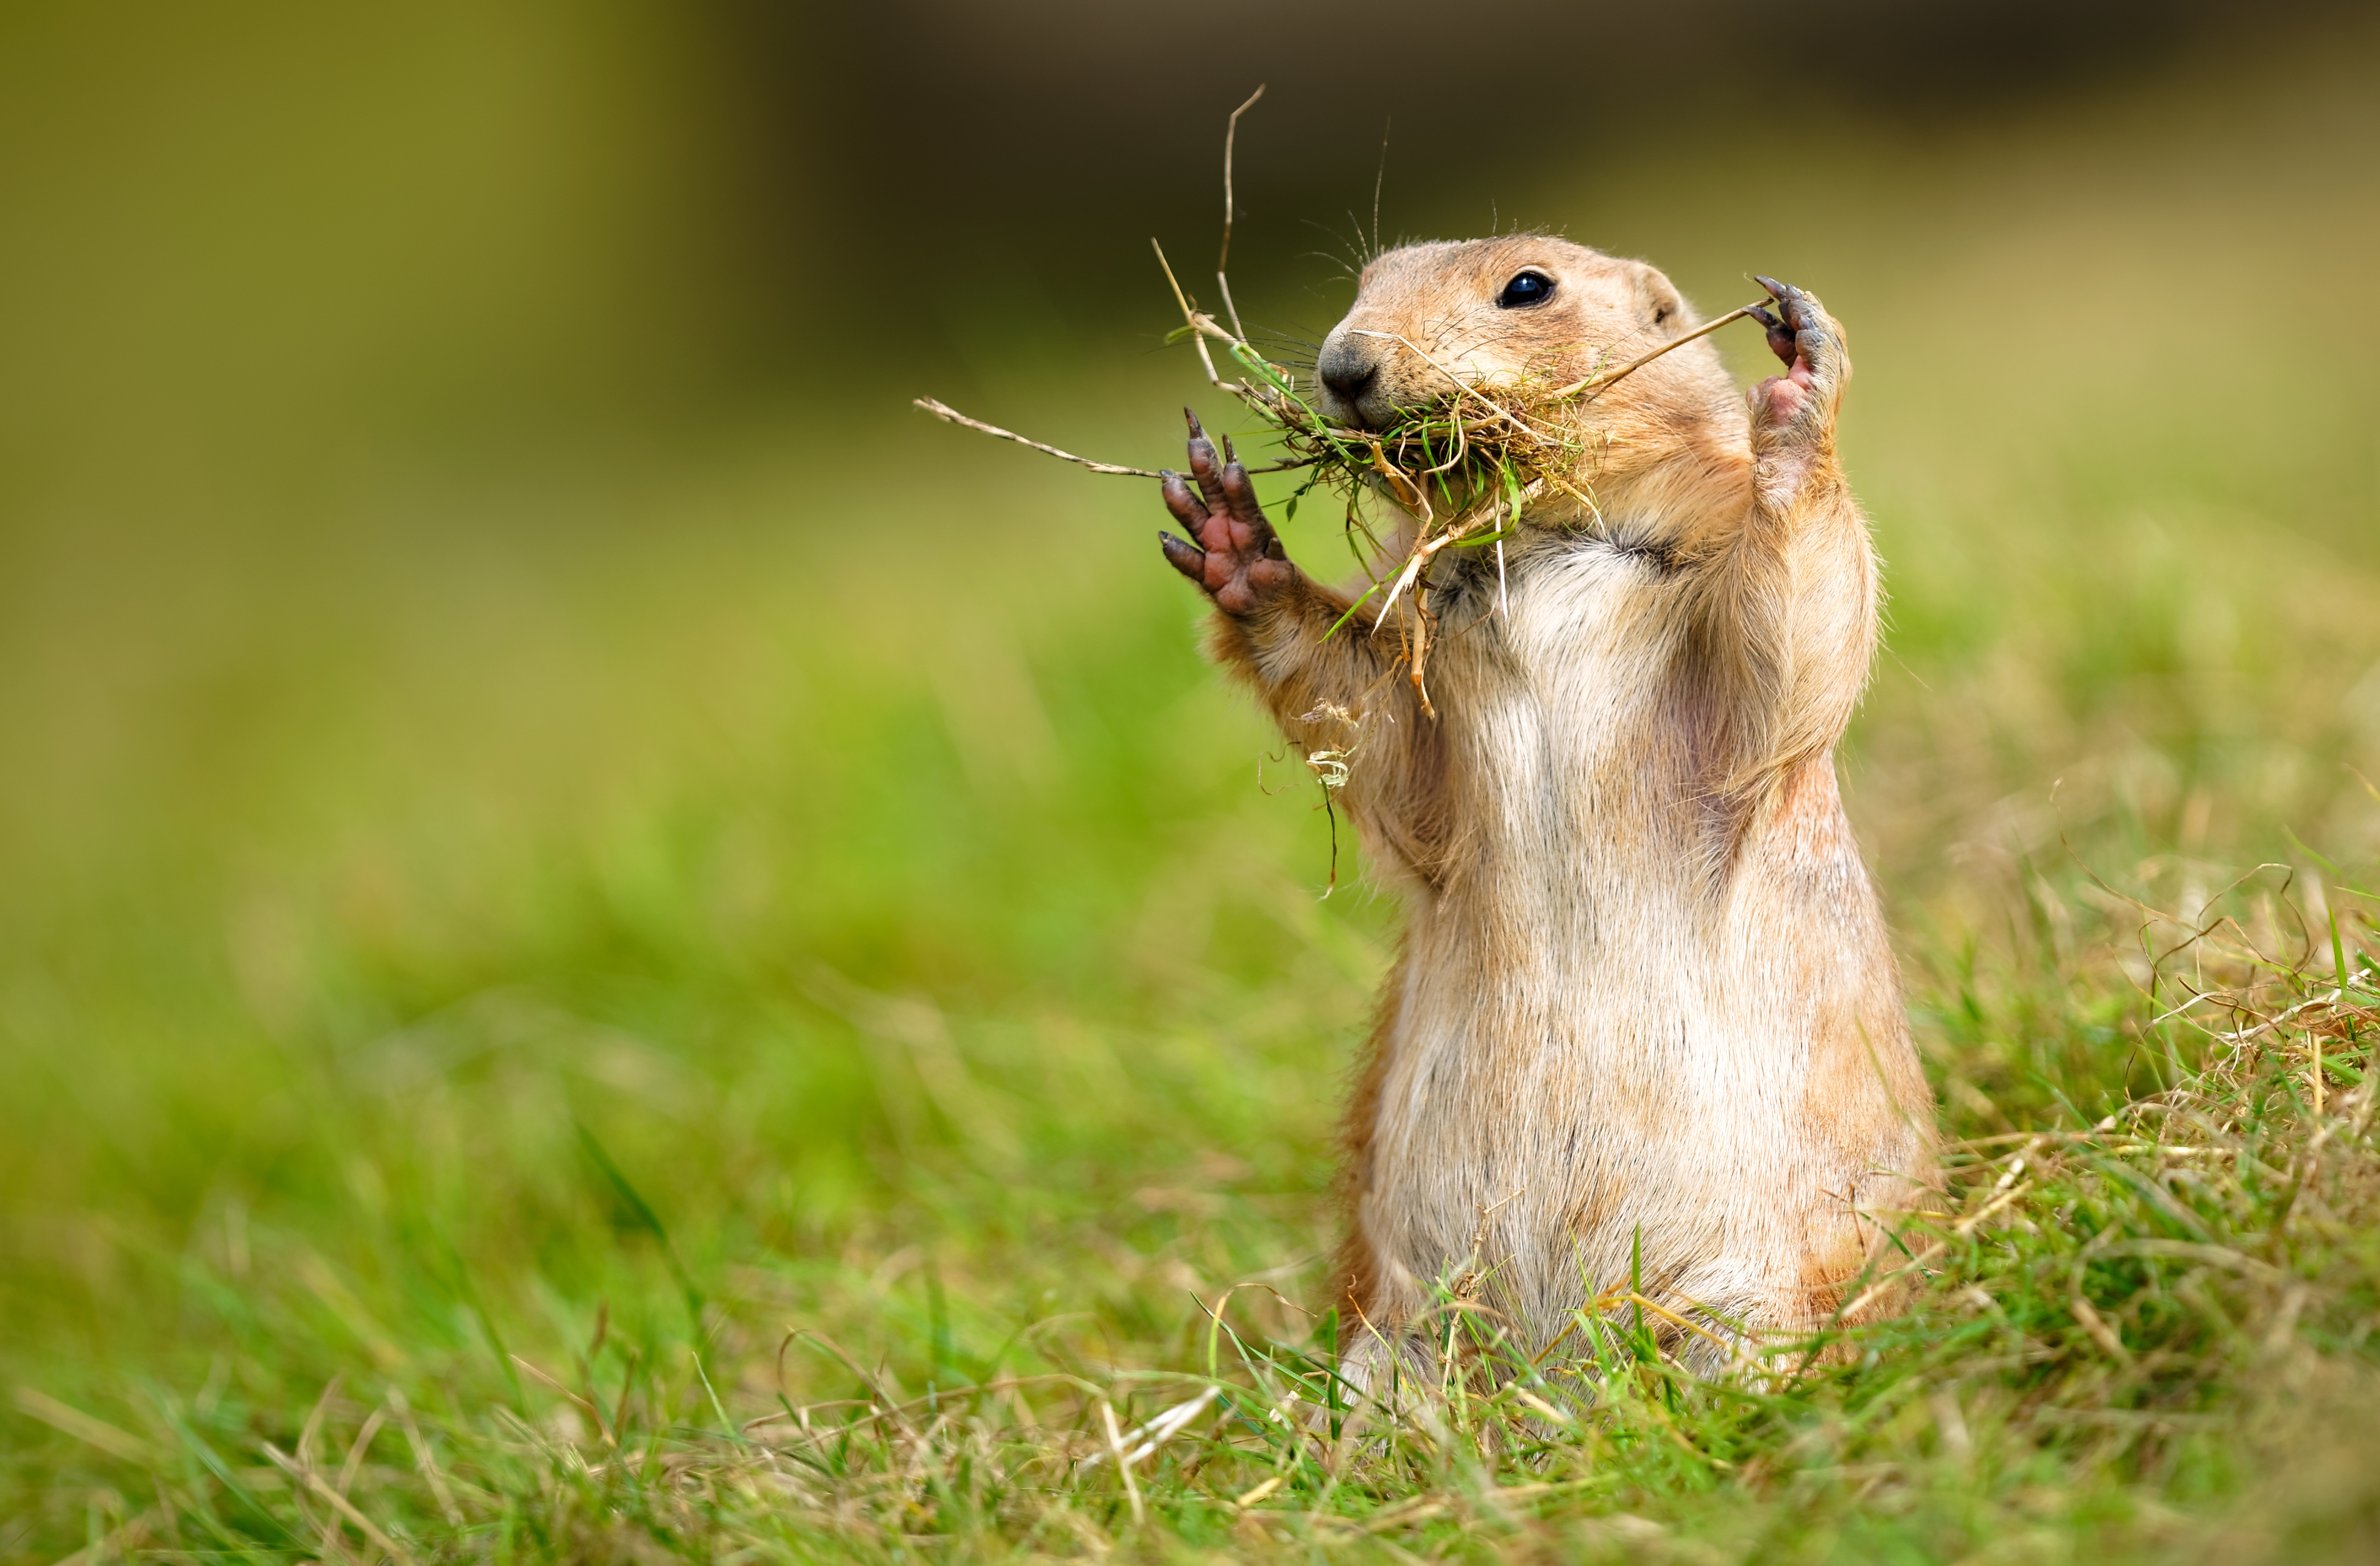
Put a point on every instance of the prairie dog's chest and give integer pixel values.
(1572, 675)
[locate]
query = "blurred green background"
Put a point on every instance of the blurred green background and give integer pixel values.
(491, 668)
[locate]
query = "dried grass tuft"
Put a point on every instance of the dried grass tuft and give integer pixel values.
(1459, 472)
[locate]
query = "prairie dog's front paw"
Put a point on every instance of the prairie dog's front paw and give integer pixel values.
(1232, 552)
(1810, 343)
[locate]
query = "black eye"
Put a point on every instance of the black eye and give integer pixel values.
(1526, 288)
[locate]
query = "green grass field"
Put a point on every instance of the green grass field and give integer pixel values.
(743, 1014)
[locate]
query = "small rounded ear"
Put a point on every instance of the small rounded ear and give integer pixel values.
(1661, 304)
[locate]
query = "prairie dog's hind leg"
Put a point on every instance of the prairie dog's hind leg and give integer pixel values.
(1381, 1369)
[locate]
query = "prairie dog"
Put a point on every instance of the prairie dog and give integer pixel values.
(1646, 995)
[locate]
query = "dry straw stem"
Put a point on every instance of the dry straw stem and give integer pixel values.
(1223, 252)
(305, 1475)
(1597, 383)
(948, 413)
(944, 411)
(82, 1426)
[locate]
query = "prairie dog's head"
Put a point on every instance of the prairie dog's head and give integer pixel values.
(1493, 310)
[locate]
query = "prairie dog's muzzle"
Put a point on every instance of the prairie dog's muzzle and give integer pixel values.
(1351, 389)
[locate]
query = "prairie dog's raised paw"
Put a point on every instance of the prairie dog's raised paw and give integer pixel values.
(1810, 344)
(1232, 552)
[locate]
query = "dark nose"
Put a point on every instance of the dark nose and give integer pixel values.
(1349, 369)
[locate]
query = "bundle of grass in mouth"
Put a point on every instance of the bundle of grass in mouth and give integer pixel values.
(1462, 470)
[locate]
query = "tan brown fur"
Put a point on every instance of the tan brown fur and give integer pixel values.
(1646, 986)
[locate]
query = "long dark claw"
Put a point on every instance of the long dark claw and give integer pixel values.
(1204, 467)
(1181, 554)
(1780, 337)
(1791, 317)
(1226, 525)
(1240, 498)
(1181, 502)
(1791, 300)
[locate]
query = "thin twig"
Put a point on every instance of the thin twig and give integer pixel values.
(1230, 308)
(1231, 134)
(1380, 178)
(1196, 320)
(944, 411)
(1597, 381)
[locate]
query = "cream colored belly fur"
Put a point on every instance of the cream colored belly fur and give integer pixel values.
(1599, 1034)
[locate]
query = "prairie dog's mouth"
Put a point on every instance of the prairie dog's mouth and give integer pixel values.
(1373, 380)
